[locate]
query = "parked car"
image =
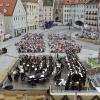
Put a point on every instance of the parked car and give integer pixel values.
(7, 37)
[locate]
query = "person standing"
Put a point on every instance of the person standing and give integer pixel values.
(9, 77)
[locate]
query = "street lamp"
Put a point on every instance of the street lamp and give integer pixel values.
(70, 24)
(26, 16)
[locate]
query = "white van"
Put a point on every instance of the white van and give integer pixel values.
(7, 36)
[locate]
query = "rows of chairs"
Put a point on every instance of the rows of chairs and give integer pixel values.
(32, 42)
(76, 72)
(39, 69)
(33, 69)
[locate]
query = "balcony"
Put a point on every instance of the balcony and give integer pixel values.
(94, 19)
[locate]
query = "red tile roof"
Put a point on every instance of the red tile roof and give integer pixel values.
(74, 1)
(8, 8)
(33, 1)
(93, 2)
(70, 1)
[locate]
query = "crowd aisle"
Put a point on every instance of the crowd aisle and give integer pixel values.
(48, 43)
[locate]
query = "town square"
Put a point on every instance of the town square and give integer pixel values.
(49, 49)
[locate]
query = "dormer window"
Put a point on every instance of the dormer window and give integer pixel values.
(7, 4)
(5, 10)
(1, 5)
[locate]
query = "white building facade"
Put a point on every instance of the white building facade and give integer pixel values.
(67, 13)
(15, 17)
(91, 16)
(86, 11)
(41, 13)
(2, 28)
(79, 13)
(32, 11)
(73, 13)
(19, 19)
(48, 13)
(99, 17)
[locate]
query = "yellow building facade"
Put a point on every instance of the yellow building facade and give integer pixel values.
(32, 9)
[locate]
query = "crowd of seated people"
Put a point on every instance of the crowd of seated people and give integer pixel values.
(57, 36)
(59, 43)
(61, 46)
(33, 69)
(31, 43)
(76, 72)
(3, 51)
(88, 35)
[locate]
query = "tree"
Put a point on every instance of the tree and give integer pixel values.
(99, 56)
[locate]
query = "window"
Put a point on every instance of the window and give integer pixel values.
(87, 6)
(30, 7)
(65, 10)
(96, 6)
(1, 5)
(14, 18)
(50, 9)
(27, 6)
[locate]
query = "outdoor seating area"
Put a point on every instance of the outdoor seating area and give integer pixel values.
(34, 43)
(60, 42)
(33, 69)
(31, 43)
(88, 35)
(76, 72)
(41, 69)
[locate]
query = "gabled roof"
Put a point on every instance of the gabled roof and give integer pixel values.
(70, 1)
(7, 7)
(47, 2)
(74, 1)
(33, 1)
(93, 2)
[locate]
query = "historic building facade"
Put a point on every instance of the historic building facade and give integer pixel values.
(14, 17)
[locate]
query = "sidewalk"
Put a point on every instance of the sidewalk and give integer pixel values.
(6, 63)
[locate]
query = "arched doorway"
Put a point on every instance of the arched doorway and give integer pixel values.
(57, 19)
